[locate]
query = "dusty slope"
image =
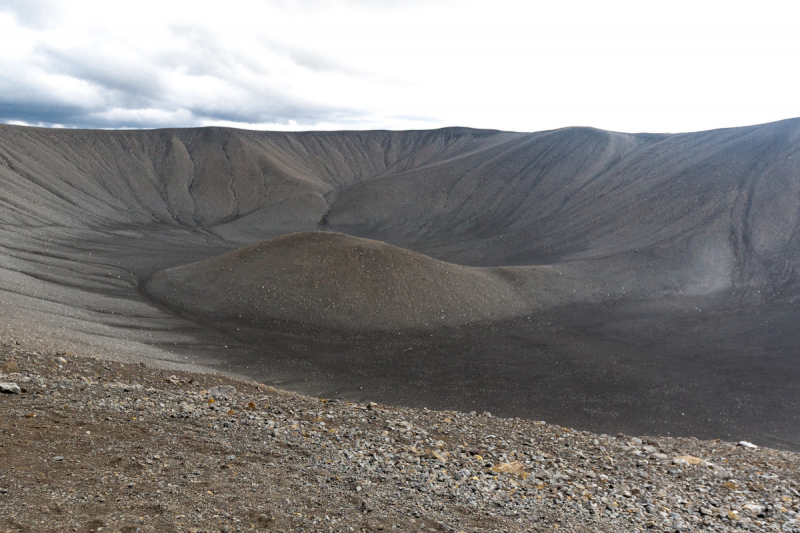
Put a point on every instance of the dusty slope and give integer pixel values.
(204, 177)
(681, 250)
(333, 280)
(723, 201)
(703, 211)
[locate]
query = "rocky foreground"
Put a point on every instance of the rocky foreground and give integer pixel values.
(92, 445)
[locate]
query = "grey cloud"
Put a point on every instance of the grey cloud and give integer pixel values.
(322, 63)
(40, 112)
(311, 59)
(204, 51)
(274, 108)
(35, 106)
(318, 62)
(126, 85)
(416, 118)
(205, 54)
(33, 13)
(132, 84)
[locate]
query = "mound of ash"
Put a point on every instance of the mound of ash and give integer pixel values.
(333, 280)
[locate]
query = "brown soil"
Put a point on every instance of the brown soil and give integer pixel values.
(93, 445)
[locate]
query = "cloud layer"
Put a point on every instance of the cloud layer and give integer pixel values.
(320, 64)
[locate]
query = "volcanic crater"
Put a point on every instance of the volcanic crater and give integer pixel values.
(644, 283)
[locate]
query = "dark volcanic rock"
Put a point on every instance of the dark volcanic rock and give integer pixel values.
(334, 280)
(626, 281)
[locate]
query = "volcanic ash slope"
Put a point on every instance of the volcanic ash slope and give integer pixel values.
(334, 280)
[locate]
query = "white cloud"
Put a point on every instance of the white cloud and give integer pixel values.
(327, 64)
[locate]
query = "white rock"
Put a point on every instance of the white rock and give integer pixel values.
(10, 388)
(746, 444)
(753, 508)
(222, 391)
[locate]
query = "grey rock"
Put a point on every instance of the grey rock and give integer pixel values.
(10, 388)
(464, 473)
(221, 392)
(792, 526)
(754, 508)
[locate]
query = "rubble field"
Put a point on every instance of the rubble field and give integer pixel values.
(91, 445)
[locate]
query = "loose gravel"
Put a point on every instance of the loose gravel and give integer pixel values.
(92, 445)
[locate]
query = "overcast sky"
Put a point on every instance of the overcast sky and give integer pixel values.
(399, 64)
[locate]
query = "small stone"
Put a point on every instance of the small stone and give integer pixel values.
(58, 458)
(464, 473)
(221, 392)
(439, 456)
(733, 516)
(10, 388)
(687, 460)
(753, 508)
(746, 444)
(515, 468)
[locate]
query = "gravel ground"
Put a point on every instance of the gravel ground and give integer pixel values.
(93, 445)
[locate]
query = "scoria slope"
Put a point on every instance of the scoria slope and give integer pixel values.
(611, 281)
(333, 280)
